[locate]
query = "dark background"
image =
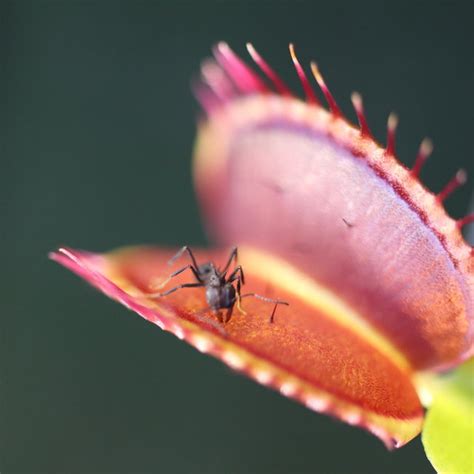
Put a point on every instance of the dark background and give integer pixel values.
(97, 129)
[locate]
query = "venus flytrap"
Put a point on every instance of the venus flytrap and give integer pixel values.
(378, 277)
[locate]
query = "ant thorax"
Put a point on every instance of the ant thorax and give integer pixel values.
(215, 281)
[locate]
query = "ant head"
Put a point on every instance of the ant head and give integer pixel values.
(206, 269)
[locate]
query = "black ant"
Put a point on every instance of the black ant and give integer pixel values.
(220, 290)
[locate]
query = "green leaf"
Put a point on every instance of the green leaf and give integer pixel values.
(448, 433)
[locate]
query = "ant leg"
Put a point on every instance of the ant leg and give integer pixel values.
(238, 273)
(268, 300)
(228, 315)
(218, 315)
(193, 267)
(239, 296)
(201, 316)
(232, 256)
(172, 290)
(180, 252)
(176, 273)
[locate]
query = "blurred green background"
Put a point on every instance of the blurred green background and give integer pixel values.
(97, 129)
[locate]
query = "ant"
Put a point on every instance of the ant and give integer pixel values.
(348, 224)
(220, 290)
